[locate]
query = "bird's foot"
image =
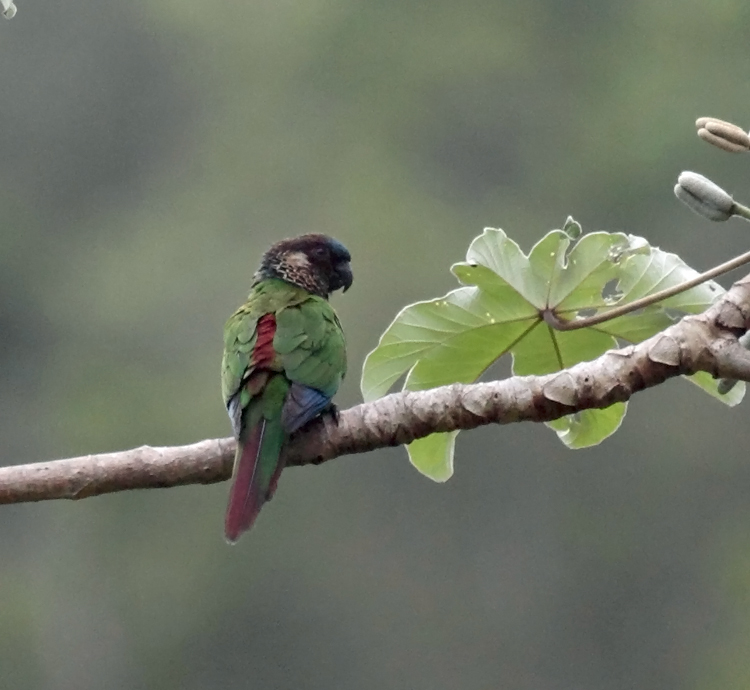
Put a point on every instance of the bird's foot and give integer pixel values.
(335, 413)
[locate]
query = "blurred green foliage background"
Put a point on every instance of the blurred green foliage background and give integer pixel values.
(152, 150)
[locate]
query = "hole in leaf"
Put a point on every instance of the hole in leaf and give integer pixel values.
(611, 291)
(616, 253)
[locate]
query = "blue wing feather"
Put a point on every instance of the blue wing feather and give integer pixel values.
(301, 405)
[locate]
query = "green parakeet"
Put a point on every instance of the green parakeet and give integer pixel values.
(284, 359)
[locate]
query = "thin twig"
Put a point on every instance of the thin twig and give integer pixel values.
(553, 320)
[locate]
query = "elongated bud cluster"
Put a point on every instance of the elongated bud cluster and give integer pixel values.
(723, 134)
(704, 197)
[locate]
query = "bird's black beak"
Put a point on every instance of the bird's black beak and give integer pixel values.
(342, 277)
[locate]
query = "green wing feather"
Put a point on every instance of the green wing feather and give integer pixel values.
(311, 346)
(240, 331)
(309, 340)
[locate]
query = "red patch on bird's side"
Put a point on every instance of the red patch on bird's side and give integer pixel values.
(263, 353)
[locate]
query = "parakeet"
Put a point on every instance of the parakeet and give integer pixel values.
(284, 359)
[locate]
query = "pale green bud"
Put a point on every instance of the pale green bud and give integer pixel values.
(704, 197)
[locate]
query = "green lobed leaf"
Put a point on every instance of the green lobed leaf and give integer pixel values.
(589, 427)
(433, 455)
(500, 311)
(709, 384)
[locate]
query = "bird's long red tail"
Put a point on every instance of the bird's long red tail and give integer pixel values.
(245, 500)
(257, 467)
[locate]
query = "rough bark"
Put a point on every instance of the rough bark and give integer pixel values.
(707, 342)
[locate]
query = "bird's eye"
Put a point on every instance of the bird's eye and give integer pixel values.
(319, 253)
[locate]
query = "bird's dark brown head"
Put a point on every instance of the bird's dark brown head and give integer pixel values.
(316, 263)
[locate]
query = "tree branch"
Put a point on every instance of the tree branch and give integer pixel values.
(707, 342)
